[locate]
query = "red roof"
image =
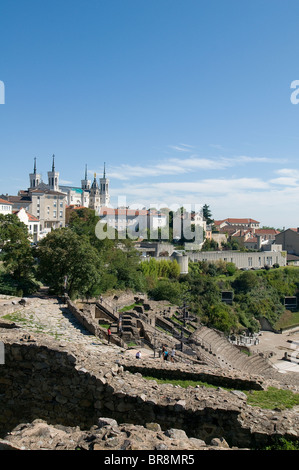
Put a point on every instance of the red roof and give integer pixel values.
(3, 201)
(251, 240)
(75, 207)
(31, 217)
(266, 231)
(240, 221)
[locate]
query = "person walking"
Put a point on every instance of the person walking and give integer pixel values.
(172, 355)
(109, 334)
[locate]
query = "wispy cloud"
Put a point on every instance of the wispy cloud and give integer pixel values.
(65, 182)
(289, 172)
(177, 166)
(181, 147)
(257, 198)
(285, 181)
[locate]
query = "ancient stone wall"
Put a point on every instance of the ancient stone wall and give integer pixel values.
(176, 372)
(91, 324)
(64, 384)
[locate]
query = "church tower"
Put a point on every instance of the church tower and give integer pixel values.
(53, 177)
(94, 198)
(35, 178)
(104, 189)
(85, 184)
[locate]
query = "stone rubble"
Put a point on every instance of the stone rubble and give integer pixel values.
(106, 435)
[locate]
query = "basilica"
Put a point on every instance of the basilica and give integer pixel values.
(92, 194)
(47, 201)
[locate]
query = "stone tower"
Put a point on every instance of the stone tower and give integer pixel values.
(104, 189)
(94, 197)
(35, 178)
(53, 177)
(86, 183)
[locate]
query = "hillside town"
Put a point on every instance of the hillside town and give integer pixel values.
(46, 206)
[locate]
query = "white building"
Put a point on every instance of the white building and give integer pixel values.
(5, 207)
(93, 195)
(32, 223)
(47, 201)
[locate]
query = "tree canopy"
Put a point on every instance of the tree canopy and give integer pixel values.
(65, 256)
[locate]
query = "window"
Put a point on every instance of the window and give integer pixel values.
(60, 214)
(54, 213)
(250, 261)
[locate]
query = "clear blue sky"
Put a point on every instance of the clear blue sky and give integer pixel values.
(186, 101)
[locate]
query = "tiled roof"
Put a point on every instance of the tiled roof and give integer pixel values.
(15, 199)
(266, 231)
(291, 257)
(47, 191)
(72, 206)
(241, 221)
(31, 217)
(251, 240)
(3, 201)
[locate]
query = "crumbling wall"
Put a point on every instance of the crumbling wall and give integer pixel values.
(63, 384)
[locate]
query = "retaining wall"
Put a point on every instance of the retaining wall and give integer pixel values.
(66, 385)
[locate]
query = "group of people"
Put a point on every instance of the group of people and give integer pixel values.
(165, 354)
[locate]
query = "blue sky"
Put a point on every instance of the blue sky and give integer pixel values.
(187, 102)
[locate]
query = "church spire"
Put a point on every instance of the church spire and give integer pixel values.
(104, 189)
(85, 184)
(35, 178)
(53, 177)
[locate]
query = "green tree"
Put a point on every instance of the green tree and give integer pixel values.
(16, 249)
(123, 262)
(207, 214)
(167, 289)
(64, 254)
(222, 318)
(246, 282)
(210, 245)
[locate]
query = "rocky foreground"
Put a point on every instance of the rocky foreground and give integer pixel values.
(107, 435)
